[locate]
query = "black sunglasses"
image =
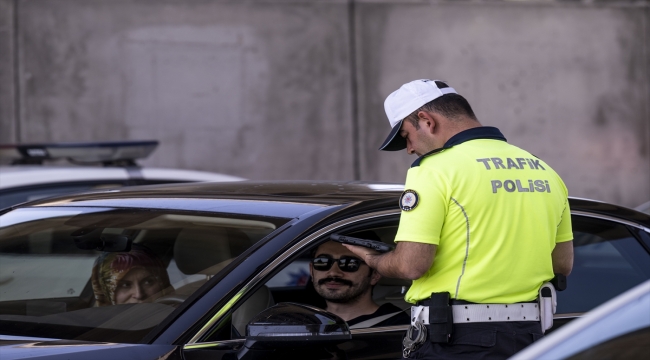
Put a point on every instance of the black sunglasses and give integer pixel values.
(346, 263)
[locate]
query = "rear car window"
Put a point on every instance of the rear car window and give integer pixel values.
(608, 260)
(104, 274)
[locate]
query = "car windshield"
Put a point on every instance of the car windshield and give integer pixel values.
(106, 274)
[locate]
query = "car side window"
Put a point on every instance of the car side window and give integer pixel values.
(608, 260)
(113, 273)
(293, 283)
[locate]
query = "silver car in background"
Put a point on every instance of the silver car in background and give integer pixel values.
(36, 171)
(617, 329)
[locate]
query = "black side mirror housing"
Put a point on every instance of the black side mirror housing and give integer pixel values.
(292, 328)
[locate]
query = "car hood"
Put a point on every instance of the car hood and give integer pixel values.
(12, 347)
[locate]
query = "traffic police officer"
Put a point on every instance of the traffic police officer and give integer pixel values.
(484, 225)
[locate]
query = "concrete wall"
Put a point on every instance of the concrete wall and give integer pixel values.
(243, 88)
(7, 99)
(294, 89)
(568, 83)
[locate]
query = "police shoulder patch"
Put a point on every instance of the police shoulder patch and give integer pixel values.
(409, 200)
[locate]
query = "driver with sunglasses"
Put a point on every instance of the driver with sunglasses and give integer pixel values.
(346, 282)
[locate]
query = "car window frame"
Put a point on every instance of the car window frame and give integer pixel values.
(642, 235)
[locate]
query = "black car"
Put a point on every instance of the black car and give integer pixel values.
(231, 272)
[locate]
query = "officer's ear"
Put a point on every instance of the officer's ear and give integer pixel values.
(428, 120)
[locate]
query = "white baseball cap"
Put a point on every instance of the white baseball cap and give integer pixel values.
(405, 100)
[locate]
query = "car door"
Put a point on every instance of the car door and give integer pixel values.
(287, 282)
(609, 258)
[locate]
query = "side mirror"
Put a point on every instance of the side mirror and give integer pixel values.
(290, 328)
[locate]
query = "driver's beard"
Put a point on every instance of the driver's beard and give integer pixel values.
(350, 295)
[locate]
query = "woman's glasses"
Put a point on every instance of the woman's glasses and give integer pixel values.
(346, 263)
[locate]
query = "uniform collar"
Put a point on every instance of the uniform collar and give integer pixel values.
(481, 132)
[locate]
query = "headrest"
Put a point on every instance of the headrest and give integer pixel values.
(197, 250)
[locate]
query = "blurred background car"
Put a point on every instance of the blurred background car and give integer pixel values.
(617, 329)
(36, 171)
(217, 254)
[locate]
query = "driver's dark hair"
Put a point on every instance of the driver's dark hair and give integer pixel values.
(451, 106)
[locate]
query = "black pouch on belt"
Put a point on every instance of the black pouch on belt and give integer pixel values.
(440, 318)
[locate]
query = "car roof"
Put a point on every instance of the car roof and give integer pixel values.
(27, 175)
(311, 192)
(307, 192)
(604, 208)
(280, 199)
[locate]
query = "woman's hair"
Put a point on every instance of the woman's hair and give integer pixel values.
(111, 267)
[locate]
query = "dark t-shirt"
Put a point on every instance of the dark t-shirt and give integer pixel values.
(398, 319)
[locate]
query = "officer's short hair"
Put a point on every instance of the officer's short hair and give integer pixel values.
(450, 106)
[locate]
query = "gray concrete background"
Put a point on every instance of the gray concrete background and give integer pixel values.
(567, 83)
(294, 89)
(7, 99)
